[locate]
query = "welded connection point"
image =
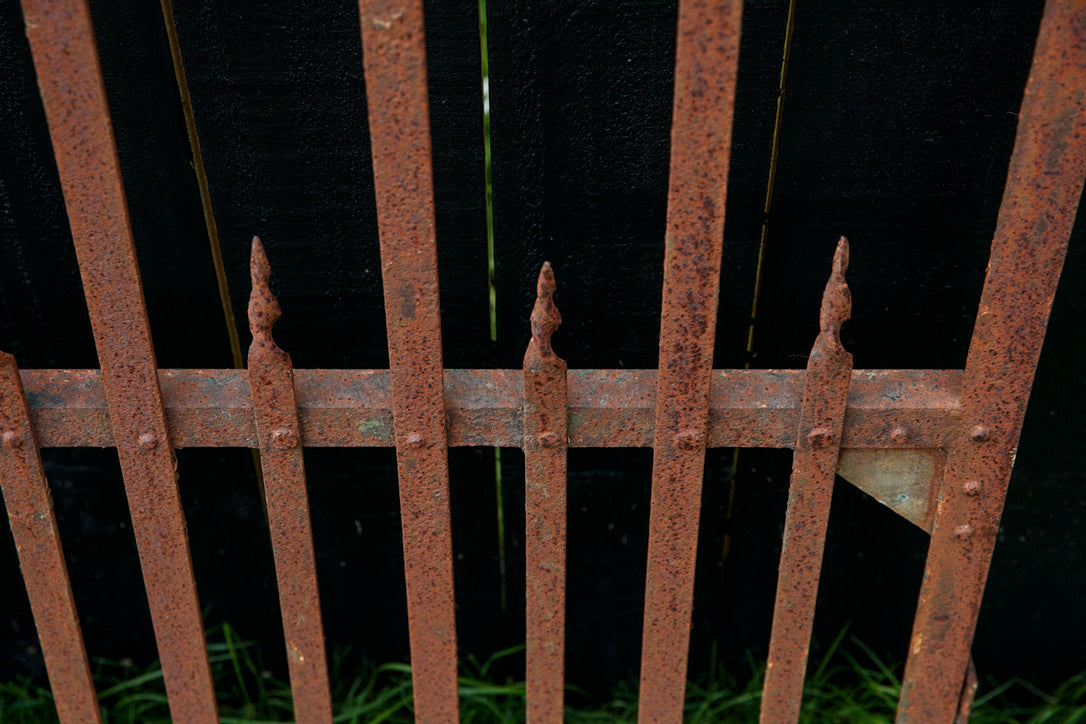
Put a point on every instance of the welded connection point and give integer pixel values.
(688, 440)
(820, 437)
(963, 532)
(284, 439)
(148, 440)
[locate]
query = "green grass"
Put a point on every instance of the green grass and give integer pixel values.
(848, 683)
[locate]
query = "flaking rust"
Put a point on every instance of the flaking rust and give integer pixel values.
(41, 558)
(706, 62)
(818, 446)
(394, 62)
(69, 75)
(275, 418)
(1044, 185)
(545, 444)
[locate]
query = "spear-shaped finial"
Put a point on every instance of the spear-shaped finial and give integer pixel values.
(836, 299)
(545, 316)
(263, 306)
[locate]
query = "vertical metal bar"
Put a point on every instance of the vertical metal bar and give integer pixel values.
(70, 79)
(275, 415)
(1044, 183)
(818, 446)
(545, 444)
(394, 54)
(969, 693)
(706, 58)
(41, 558)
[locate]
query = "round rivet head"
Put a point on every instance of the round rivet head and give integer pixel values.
(12, 438)
(148, 440)
(899, 435)
(284, 439)
(979, 433)
(971, 488)
(820, 437)
(548, 439)
(688, 440)
(413, 440)
(963, 532)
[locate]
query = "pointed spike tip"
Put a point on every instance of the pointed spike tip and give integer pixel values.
(259, 268)
(263, 306)
(545, 285)
(545, 316)
(836, 299)
(840, 259)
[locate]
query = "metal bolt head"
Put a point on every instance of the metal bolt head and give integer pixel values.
(971, 488)
(548, 439)
(820, 437)
(963, 532)
(899, 435)
(688, 440)
(284, 439)
(979, 433)
(12, 438)
(413, 441)
(148, 441)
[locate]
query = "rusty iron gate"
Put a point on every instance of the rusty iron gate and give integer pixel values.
(937, 446)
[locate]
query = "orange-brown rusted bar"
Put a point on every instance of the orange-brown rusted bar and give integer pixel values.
(546, 412)
(706, 58)
(70, 79)
(41, 558)
(394, 55)
(1044, 184)
(275, 417)
(969, 693)
(607, 408)
(818, 446)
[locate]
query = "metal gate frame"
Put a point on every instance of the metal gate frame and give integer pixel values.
(948, 435)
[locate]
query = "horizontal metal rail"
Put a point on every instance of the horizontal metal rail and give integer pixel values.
(607, 408)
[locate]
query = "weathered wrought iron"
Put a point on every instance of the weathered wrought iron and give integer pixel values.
(818, 446)
(41, 558)
(1044, 184)
(275, 419)
(394, 58)
(706, 59)
(546, 414)
(70, 79)
(937, 446)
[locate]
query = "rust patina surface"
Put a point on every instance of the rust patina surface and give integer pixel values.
(70, 79)
(1044, 184)
(394, 58)
(275, 419)
(545, 443)
(706, 61)
(41, 557)
(818, 446)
